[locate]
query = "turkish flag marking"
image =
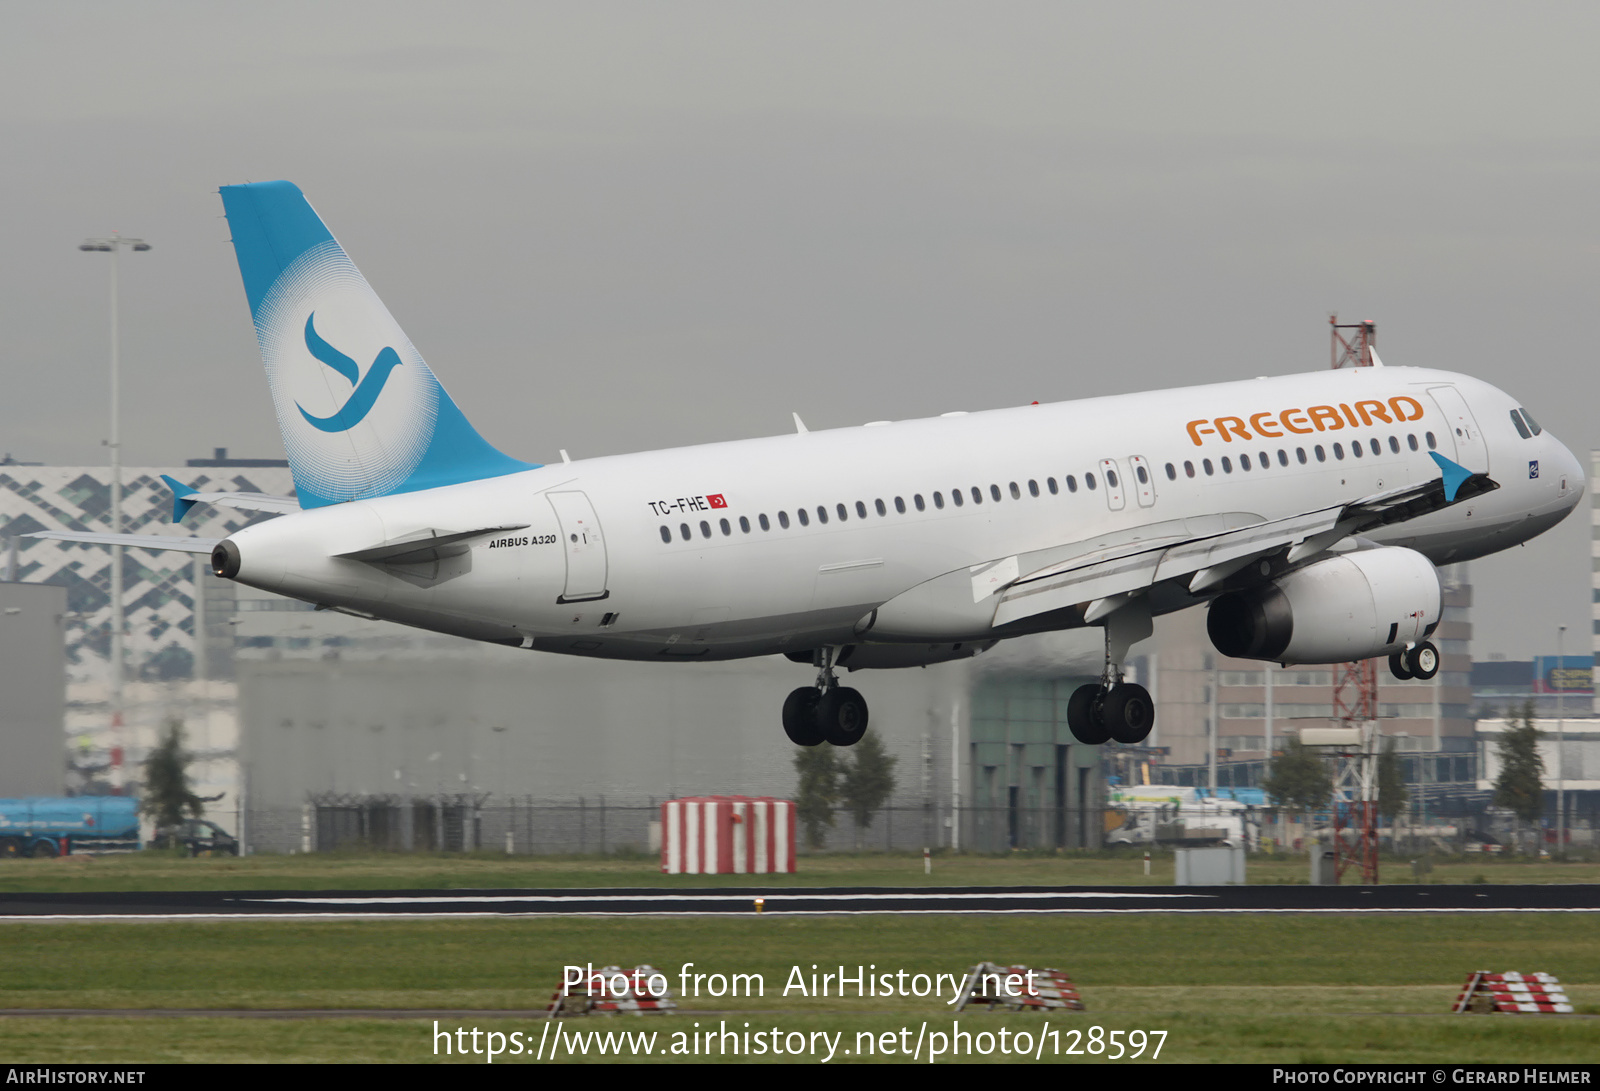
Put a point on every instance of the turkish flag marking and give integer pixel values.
(716, 500)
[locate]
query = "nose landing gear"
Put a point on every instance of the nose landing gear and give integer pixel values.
(1114, 709)
(826, 711)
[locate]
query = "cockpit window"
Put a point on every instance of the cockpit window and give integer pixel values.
(1533, 424)
(1522, 428)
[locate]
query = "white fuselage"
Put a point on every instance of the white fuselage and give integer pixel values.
(648, 555)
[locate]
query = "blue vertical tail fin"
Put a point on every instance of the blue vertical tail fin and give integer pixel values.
(361, 413)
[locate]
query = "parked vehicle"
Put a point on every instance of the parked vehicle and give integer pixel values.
(199, 837)
(56, 825)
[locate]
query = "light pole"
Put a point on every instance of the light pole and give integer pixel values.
(114, 244)
(1561, 738)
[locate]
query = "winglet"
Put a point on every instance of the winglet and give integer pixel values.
(1455, 475)
(183, 498)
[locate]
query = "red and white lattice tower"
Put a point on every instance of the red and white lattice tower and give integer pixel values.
(1355, 685)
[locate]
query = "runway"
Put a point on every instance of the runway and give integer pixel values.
(657, 901)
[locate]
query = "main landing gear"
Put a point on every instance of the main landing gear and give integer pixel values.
(1419, 661)
(1114, 709)
(826, 711)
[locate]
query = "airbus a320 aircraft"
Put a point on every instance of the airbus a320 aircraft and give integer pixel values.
(1307, 512)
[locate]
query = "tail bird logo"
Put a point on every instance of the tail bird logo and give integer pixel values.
(366, 387)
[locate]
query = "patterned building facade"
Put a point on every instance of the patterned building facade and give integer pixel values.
(159, 587)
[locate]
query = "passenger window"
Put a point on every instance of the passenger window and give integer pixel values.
(844, 512)
(762, 519)
(1432, 443)
(1111, 479)
(1050, 483)
(899, 504)
(1244, 462)
(994, 491)
(683, 529)
(666, 535)
(1377, 448)
(1016, 493)
(917, 500)
(1300, 453)
(744, 523)
(1283, 457)
(1322, 456)
(861, 509)
(783, 520)
(1144, 478)
(956, 498)
(938, 500)
(878, 505)
(1072, 483)
(1338, 451)
(1355, 449)
(726, 529)
(1227, 466)
(1266, 460)
(977, 494)
(705, 529)
(1411, 441)
(1172, 472)
(1188, 469)
(1088, 481)
(1205, 464)
(1394, 445)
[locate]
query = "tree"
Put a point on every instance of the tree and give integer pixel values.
(1520, 786)
(1299, 779)
(867, 781)
(1392, 795)
(818, 767)
(167, 795)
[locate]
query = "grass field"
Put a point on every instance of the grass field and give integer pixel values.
(1269, 988)
(379, 871)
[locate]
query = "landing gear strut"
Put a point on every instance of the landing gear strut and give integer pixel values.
(826, 711)
(1418, 661)
(1115, 709)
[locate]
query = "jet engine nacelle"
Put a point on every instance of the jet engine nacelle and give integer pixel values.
(1357, 605)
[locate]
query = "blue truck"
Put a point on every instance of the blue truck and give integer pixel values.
(54, 825)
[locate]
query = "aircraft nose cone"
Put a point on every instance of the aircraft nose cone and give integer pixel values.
(1567, 464)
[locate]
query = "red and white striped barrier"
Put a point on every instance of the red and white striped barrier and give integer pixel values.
(1513, 993)
(727, 835)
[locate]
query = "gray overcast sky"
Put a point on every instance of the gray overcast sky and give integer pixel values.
(616, 227)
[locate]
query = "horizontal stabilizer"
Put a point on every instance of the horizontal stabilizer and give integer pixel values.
(421, 548)
(136, 541)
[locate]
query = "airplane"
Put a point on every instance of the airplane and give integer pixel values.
(1306, 513)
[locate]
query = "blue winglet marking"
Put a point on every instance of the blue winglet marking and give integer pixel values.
(180, 502)
(1454, 475)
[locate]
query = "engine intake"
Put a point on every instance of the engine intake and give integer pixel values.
(1355, 606)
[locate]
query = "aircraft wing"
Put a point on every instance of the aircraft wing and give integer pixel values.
(137, 541)
(1104, 580)
(184, 498)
